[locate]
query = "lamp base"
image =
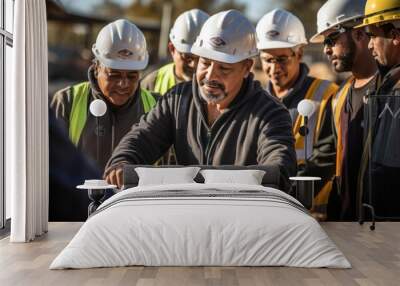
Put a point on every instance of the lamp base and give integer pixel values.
(305, 190)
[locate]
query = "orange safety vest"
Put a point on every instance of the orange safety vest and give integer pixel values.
(338, 104)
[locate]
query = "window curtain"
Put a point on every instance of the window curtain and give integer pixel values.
(27, 123)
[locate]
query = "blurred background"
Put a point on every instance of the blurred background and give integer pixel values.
(73, 26)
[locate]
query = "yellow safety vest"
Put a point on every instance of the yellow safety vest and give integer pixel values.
(320, 92)
(165, 79)
(78, 115)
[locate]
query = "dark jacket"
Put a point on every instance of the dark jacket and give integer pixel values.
(112, 126)
(68, 168)
(350, 128)
(321, 162)
(385, 130)
(255, 129)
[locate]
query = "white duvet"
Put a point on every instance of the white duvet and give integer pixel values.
(140, 227)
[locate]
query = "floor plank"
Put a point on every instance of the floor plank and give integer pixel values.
(375, 257)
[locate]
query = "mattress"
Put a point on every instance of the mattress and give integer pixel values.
(201, 225)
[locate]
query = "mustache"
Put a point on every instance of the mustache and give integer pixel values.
(213, 83)
(122, 91)
(332, 58)
(337, 57)
(189, 71)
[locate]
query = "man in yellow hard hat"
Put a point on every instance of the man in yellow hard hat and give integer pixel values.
(382, 24)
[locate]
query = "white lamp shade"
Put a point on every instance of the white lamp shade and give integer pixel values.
(306, 107)
(98, 108)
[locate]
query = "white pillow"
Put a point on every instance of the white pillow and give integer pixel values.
(164, 176)
(247, 177)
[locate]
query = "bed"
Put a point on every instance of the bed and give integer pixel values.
(201, 224)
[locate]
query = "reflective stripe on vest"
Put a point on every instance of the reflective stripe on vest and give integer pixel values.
(165, 79)
(78, 115)
(337, 106)
(320, 91)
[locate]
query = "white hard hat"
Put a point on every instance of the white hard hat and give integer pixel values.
(186, 29)
(338, 14)
(121, 45)
(280, 29)
(228, 37)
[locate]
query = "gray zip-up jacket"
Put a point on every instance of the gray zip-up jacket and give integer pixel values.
(256, 129)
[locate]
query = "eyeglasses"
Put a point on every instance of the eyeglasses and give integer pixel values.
(331, 39)
(281, 60)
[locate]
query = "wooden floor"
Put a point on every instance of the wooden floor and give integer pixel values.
(375, 257)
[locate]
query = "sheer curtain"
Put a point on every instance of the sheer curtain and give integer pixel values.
(27, 123)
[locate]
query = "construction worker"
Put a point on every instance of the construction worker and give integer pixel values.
(222, 117)
(347, 49)
(182, 36)
(120, 53)
(280, 39)
(382, 24)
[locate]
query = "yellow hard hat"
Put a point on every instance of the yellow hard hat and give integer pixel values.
(381, 11)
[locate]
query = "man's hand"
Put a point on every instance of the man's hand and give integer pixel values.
(115, 177)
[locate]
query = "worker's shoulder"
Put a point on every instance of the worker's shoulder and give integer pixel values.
(66, 94)
(149, 80)
(154, 94)
(263, 99)
(269, 102)
(325, 82)
(182, 88)
(327, 87)
(266, 108)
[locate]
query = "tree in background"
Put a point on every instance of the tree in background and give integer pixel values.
(108, 9)
(153, 8)
(306, 10)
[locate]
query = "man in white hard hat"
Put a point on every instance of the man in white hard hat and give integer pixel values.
(182, 36)
(222, 117)
(280, 39)
(120, 53)
(347, 49)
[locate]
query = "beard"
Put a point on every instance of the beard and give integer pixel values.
(211, 97)
(280, 81)
(383, 68)
(345, 61)
(188, 72)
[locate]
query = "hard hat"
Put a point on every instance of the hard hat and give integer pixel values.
(121, 45)
(338, 14)
(280, 29)
(381, 11)
(228, 37)
(186, 29)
